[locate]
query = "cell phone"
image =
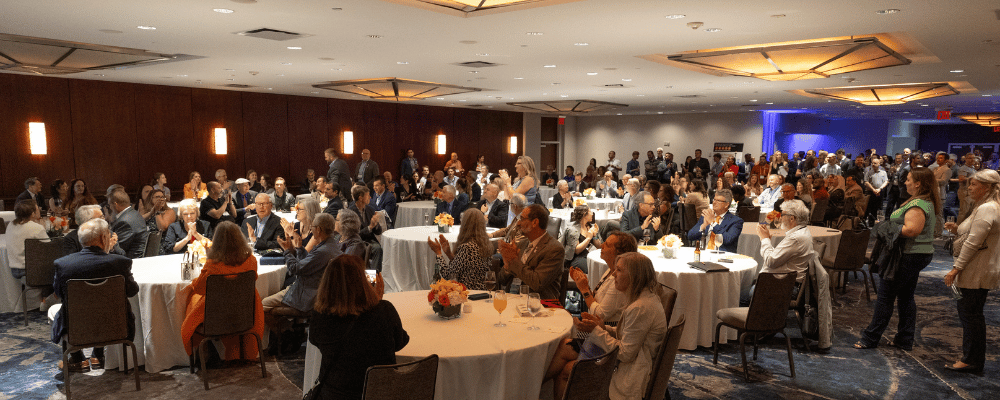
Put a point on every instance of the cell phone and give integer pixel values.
(371, 275)
(479, 296)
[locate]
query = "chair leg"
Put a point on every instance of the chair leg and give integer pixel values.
(788, 343)
(756, 341)
(260, 355)
(715, 344)
(135, 357)
(743, 355)
(66, 372)
(24, 304)
(204, 367)
(194, 352)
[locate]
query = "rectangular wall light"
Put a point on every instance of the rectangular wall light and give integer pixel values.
(36, 138)
(221, 145)
(441, 144)
(348, 142)
(513, 145)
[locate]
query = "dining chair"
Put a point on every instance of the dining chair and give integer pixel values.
(766, 315)
(663, 363)
(554, 227)
(852, 256)
(816, 217)
(749, 214)
(416, 380)
(230, 309)
(89, 300)
(590, 378)
(39, 267)
(153, 241)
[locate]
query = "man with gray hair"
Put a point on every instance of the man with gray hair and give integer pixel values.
(495, 210)
(794, 252)
(129, 225)
(720, 228)
(106, 207)
(640, 219)
(517, 204)
(451, 204)
(264, 228)
(72, 244)
(33, 191)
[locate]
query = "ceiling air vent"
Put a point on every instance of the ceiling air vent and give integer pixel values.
(272, 34)
(615, 85)
(238, 86)
(690, 96)
(750, 105)
(478, 64)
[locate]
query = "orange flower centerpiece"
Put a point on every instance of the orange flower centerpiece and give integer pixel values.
(579, 202)
(55, 226)
(589, 193)
(772, 217)
(438, 197)
(550, 183)
(444, 222)
(446, 298)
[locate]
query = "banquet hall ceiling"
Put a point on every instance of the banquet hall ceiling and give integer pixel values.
(559, 52)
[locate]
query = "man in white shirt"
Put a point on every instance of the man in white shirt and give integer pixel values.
(794, 252)
(771, 193)
(832, 167)
(614, 165)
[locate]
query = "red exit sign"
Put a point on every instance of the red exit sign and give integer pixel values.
(944, 114)
(996, 129)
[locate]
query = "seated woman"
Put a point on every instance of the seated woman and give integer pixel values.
(604, 300)
(639, 332)
(79, 195)
(349, 228)
(156, 212)
(254, 181)
(562, 198)
(696, 195)
(353, 328)
(195, 188)
(185, 230)
(305, 212)
(25, 226)
(835, 207)
(60, 193)
(142, 204)
(229, 254)
(160, 182)
(470, 264)
(754, 188)
(579, 235)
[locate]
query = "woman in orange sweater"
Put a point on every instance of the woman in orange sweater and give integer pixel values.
(229, 254)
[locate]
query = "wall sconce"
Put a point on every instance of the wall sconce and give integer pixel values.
(513, 145)
(221, 146)
(441, 144)
(36, 138)
(348, 142)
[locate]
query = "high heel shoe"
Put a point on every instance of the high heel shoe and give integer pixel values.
(968, 368)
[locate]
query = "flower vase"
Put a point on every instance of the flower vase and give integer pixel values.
(669, 253)
(449, 312)
(590, 197)
(444, 228)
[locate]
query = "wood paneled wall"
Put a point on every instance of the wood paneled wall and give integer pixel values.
(112, 132)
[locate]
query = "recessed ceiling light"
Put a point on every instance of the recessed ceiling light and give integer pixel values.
(768, 103)
(270, 88)
(987, 95)
(591, 73)
(181, 75)
(230, 79)
(924, 105)
(888, 11)
(581, 44)
(336, 69)
(619, 113)
(534, 33)
(957, 71)
(518, 78)
(402, 62)
(482, 54)
(659, 112)
(564, 95)
(550, 66)
(713, 30)
(676, 16)
(145, 27)
(640, 95)
(627, 79)
(314, 92)
(337, 9)
(294, 48)
(461, 100)
(473, 72)
(222, 10)
(753, 101)
(99, 74)
(230, 69)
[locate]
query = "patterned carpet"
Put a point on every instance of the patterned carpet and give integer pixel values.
(28, 362)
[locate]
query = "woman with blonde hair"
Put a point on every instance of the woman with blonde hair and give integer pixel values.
(186, 229)
(470, 264)
(230, 254)
(977, 267)
(527, 179)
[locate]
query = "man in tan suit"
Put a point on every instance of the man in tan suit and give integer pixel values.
(538, 259)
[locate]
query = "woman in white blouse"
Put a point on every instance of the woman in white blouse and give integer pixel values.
(25, 226)
(469, 265)
(604, 300)
(977, 266)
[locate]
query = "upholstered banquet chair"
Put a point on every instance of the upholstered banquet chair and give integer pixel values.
(39, 267)
(230, 308)
(590, 378)
(415, 380)
(766, 315)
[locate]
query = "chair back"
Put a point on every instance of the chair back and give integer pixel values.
(230, 303)
(554, 227)
(769, 305)
(39, 258)
(3, 225)
(667, 220)
(689, 217)
(90, 300)
(668, 297)
(818, 211)
(591, 378)
(749, 214)
(663, 363)
(409, 381)
(852, 250)
(153, 244)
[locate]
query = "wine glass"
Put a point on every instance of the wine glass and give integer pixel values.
(524, 290)
(490, 281)
(499, 304)
(534, 306)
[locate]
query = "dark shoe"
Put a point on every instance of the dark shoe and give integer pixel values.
(824, 350)
(968, 368)
(861, 346)
(900, 346)
(96, 363)
(82, 366)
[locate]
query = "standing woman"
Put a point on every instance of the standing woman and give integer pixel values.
(977, 267)
(918, 218)
(60, 194)
(526, 182)
(160, 182)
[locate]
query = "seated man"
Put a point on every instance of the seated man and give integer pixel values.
(243, 200)
(334, 203)
(71, 242)
(494, 209)
(723, 229)
(794, 252)
(308, 185)
(282, 199)
(511, 232)
(90, 263)
(129, 226)
(740, 195)
(640, 218)
(263, 229)
(771, 192)
(370, 227)
(787, 194)
(607, 187)
(382, 199)
(538, 259)
(215, 206)
(577, 186)
(451, 204)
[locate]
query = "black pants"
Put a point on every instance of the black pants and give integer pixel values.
(970, 312)
(900, 290)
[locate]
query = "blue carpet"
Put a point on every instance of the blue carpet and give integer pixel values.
(28, 360)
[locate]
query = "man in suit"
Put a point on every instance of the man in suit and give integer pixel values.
(71, 242)
(538, 259)
(335, 202)
(409, 165)
(370, 228)
(451, 204)
(338, 172)
(367, 170)
(577, 185)
(637, 220)
(382, 199)
(723, 229)
(33, 190)
(129, 225)
(493, 209)
(90, 263)
(243, 200)
(264, 228)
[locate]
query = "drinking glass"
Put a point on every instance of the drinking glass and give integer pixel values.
(949, 219)
(490, 281)
(534, 307)
(524, 290)
(499, 304)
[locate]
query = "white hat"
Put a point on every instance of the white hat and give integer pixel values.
(242, 181)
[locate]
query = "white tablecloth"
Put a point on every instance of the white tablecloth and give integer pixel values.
(411, 213)
(477, 360)
(597, 203)
(547, 193)
(160, 308)
(825, 241)
(7, 217)
(699, 294)
(10, 288)
(407, 260)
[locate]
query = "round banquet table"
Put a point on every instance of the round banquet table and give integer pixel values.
(7, 217)
(699, 294)
(826, 241)
(10, 288)
(407, 260)
(547, 193)
(600, 215)
(599, 203)
(477, 360)
(411, 213)
(160, 307)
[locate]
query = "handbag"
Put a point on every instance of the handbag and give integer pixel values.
(313, 393)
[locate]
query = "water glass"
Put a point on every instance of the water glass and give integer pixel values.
(490, 282)
(525, 290)
(534, 307)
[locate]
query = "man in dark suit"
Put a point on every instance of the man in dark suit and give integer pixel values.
(90, 263)
(263, 229)
(71, 242)
(370, 227)
(719, 224)
(33, 190)
(698, 162)
(494, 209)
(339, 172)
(639, 218)
(367, 170)
(382, 199)
(335, 202)
(129, 225)
(451, 204)
(409, 165)
(537, 260)
(243, 200)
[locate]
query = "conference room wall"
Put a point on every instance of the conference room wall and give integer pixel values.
(937, 137)
(114, 132)
(592, 137)
(803, 131)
